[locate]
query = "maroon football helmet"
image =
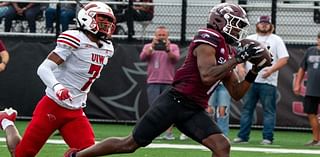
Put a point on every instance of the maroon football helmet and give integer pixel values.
(229, 19)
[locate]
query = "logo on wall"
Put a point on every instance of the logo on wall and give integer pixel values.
(133, 91)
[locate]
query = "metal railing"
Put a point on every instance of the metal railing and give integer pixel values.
(294, 22)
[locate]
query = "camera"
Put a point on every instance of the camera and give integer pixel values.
(161, 45)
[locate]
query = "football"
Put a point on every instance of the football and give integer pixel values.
(264, 59)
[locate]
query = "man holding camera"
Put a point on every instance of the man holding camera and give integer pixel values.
(161, 56)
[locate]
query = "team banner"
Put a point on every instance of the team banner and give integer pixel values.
(119, 95)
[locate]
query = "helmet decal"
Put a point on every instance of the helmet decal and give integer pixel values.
(90, 5)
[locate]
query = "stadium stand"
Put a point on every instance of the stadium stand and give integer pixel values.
(296, 20)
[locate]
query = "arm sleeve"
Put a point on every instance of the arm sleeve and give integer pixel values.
(45, 72)
(66, 43)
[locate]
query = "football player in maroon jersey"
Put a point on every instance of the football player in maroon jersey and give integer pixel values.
(209, 61)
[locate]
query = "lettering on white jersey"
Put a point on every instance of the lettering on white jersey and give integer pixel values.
(97, 58)
(68, 40)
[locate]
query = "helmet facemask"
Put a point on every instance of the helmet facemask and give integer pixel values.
(235, 27)
(105, 24)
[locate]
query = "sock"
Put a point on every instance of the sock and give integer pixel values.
(5, 123)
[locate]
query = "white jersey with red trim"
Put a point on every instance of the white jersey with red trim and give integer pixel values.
(83, 62)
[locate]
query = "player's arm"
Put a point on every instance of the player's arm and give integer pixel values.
(210, 71)
(45, 72)
(238, 88)
(4, 55)
(67, 42)
(297, 81)
(235, 86)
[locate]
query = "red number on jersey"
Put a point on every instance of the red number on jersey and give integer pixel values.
(94, 70)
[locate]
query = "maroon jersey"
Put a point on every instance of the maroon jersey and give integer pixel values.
(187, 80)
(2, 47)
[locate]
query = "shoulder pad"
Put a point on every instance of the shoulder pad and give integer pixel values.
(69, 39)
(210, 37)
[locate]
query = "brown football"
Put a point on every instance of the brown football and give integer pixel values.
(265, 57)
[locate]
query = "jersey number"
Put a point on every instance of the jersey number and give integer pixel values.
(94, 70)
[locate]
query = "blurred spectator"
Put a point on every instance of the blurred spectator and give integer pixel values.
(4, 56)
(67, 13)
(136, 13)
(220, 101)
(4, 7)
(264, 88)
(28, 11)
(161, 56)
(311, 64)
(118, 8)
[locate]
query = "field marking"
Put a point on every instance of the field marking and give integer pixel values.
(236, 148)
(200, 147)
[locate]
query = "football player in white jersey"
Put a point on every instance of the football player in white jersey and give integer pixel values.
(68, 72)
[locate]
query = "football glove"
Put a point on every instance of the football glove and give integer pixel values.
(61, 92)
(247, 51)
(259, 67)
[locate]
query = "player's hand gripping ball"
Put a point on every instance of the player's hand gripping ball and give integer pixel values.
(262, 57)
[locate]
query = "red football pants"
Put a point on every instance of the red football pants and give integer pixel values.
(47, 117)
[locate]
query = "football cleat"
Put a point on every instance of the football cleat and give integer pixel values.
(9, 114)
(71, 152)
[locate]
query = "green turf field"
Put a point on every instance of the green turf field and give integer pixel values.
(286, 144)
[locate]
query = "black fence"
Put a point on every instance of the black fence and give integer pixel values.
(296, 21)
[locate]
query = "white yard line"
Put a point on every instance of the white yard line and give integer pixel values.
(233, 148)
(236, 148)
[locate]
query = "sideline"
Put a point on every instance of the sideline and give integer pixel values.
(233, 148)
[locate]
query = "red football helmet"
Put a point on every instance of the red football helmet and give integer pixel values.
(229, 19)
